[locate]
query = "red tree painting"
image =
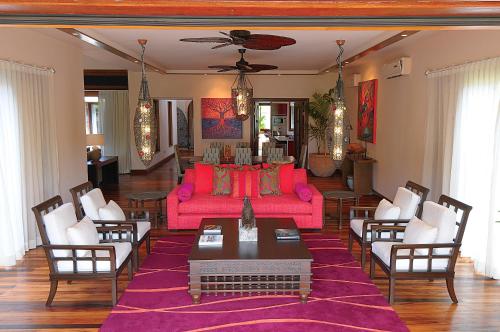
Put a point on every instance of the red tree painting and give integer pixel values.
(218, 120)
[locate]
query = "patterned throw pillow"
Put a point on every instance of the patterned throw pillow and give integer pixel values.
(246, 183)
(221, 181)
(269, 181)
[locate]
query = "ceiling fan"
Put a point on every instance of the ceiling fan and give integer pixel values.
(243, 66)
(246, 39)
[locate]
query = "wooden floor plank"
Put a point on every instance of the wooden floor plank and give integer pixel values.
(83, 305)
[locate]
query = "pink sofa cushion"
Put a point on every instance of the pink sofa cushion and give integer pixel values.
(206, 203)
(285, 203)
(203, 178)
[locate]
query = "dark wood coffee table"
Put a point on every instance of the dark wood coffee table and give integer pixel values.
(267, 266)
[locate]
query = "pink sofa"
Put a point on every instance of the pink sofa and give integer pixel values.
(188, 215)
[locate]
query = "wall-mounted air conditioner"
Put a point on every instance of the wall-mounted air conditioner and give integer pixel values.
(400, 67)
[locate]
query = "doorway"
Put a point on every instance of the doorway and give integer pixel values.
(282, 121)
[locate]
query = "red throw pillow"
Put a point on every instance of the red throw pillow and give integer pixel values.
(286, 178)
(204, 178)
(246, 183)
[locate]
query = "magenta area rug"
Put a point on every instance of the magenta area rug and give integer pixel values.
(343, 298)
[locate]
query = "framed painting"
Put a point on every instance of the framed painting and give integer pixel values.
(218, 120)
(367, 111)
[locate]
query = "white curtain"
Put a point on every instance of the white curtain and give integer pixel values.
(29, 165)
(463, 160)
(115, 114)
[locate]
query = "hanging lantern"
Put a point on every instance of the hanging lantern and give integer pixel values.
(145, 126)
(340, 123)
(242, 96)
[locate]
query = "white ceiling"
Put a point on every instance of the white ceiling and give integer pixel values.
(314, 51)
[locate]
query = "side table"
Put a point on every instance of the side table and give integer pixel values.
(340, 196)
(157, 197)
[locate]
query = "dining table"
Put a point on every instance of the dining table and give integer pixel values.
(255, 160)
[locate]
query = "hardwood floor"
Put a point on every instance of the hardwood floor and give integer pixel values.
(83, 305)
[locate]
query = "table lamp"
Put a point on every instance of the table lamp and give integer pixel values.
(96, 141)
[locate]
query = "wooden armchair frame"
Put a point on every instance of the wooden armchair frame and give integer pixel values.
(55, 275)
(368, 212)
(131, 213)
(429, 274)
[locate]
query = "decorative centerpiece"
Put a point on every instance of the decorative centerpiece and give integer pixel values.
(247, 224)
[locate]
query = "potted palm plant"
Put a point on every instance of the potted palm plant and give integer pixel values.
(321, 163)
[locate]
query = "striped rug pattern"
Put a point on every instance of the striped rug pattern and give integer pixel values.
(343, 298)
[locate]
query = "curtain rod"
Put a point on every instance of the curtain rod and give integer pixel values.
(434, 71)
(49, 69)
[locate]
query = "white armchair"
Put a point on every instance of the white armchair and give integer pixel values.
(429, 248)
(74, 250)
(407, 203)
(90, 202)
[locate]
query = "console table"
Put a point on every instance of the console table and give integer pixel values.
(361, 170)
(104, 171)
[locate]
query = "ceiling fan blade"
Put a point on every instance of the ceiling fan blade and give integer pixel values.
(260, 67)
(243, 66)
(267, 42)
(222, 45)
(207, 40)
(225, 34)
(223, 67)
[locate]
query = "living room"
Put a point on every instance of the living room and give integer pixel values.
(424, 138)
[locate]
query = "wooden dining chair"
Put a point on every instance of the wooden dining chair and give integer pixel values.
(243, 156)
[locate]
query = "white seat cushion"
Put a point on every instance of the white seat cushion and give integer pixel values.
(357, 227)
(92, 202)
(56, 223)
(386, 210)
(122, 250)
(444, 220)
(83, 233)
(407, 201)
(419, 232)
(142, 228)
(112, 211)
(383, 251)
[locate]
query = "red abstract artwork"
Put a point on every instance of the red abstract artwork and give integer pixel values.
(367, 111)
(218, 120)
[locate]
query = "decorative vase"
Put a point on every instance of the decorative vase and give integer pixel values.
(321, 165)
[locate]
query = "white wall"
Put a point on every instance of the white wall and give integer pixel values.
(196, 87)
(33, 47)
(402, 102)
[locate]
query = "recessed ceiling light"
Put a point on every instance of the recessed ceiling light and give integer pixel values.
(74, 33)
(347, 62)
(404, 35)
(136, 61)
(327, 71)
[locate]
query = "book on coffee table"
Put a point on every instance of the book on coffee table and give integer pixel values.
(287, 234)
(212, 229)
(210, 240)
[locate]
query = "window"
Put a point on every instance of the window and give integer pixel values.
(92, 117)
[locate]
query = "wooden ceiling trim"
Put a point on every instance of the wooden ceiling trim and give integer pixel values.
(99, 44)
(383, 44)
(319, 8)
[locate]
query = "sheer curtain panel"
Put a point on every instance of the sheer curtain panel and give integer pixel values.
(464, 159)
(115, 115)
(29, 165)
